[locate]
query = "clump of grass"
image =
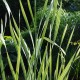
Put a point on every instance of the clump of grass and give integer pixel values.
(39, 60)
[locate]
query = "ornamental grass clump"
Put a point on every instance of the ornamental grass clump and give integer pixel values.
(40, 58)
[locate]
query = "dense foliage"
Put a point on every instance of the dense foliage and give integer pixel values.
(47, 50)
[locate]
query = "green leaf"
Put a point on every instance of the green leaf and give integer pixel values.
(67, 69)
(53, 43)
(70, 38)
(2, 67)
(11, 66)
(26, 21)
(41, 66)
(18, 56)
(63, 35)
(57, 22)
(30, 10)
(57, 68)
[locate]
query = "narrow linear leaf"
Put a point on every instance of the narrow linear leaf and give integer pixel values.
(12, 34)
(11, 67)
(63, 35)
(30, 10)
(67, 69)
(26, 21)
(2, 67)
(23, 69)
(40, 70)
(70, 38)
(53, 43)
(57, 23)
(57, 68)
(46, 69)
(7, 7)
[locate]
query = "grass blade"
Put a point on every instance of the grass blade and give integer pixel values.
(57, 22)
(2, 67)
(30, 10)
(57, 68)
(63, 35)
(12, 34)
(53, 43)
(7, 7)
(41, 66)
(11, 67)
(46, 69)
(67, 68)
(24, 69)
(26, 21)
(70, 38)
(18, 57)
